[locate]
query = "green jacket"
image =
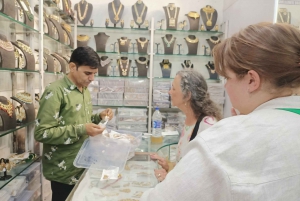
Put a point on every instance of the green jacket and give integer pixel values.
(60, 127)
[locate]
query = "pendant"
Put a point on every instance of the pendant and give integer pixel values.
(209, 23)
(124, 72)
(139, 20)
(172, 22)
(122, 42)
(117, 18)
(166, 66)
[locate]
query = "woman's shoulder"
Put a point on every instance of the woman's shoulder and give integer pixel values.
(209, 120)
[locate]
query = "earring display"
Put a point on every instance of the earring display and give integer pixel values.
(168, 41)
(139, 12)
(7, 114)
(209, 17)
(213, 75)
(192, 43)
(172, 13)
(7, 56)
(123, 44)
(123, 64)
(166, 68)
(8, 8)
(115, 11)
(101, 40)
(142, 66)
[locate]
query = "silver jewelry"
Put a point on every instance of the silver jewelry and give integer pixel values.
(105, 62)
(168, 43)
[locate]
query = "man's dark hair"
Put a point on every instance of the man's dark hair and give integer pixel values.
(85, 56)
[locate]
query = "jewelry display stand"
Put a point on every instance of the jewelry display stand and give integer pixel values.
(124, 66)
(192, 44)
(172, 13)
(58, 27)
(3, 169)
(187, 64)
(8, 8)
(212, 41)
(209, 17)
(25, 101)
(115, 11)
(283, 16)
(168, 41)
(165, 68)
(27, 52)
(142, 45)
(82, 40)
(7, 56)
(213, 75)
(67, 29)
(104, 65)
(142, 64)
(50, 62)
(28, 12)
(101, 40)
(123, 44)
(139, 12)
(62, 62)
(50, 26)
(7, 114)
(84, 11)
(194, 19)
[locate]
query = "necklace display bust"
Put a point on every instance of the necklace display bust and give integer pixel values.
(55, 20)
(283, 16)
(194, 19)
(8, 8)
(213, 75)
(7, 114)
(104, 66)
(142, 44)
(169, 42)
(50, 61)
(142, 64)
(172, 13)
(7, 56)
(115, 11)
(166, 68)
(192, 44)
(62, 61)
(84, 11)
(27, 52)
(212, 41)
(28, 12)
(101, 40)
(124, 64)
(187, 64)
(26, 102)
(209, 17)
(139, 12)
(82, 40)
(123, 44)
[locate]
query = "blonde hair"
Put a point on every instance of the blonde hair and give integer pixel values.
(272, 50)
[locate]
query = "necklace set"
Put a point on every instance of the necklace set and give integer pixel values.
(124, 69)
(116, 18)
(209, 12)
(172, 19)
(139, 19)
(169, 42)
(81, 17)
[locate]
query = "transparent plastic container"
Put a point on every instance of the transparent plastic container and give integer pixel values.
(136, 90)
(131, 112)
(136, 96)
(137, 83)
(110, 95)
(135, 103)
(110, 102)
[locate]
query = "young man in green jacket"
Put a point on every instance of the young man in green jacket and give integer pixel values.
(65, 120)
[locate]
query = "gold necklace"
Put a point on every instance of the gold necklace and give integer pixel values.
(214, 41)
(67, 5)
(24, 97)
(26, 6)
(124, 70)
(168, 43)
(172, 21)
(196, 40)
(139, 19)
(123, 42)
(83, 38)
(142, 42)
(209, 10)
(81, 17)
(6, 45)
(193, 14)
(8, 108)
(24, 47)
(67, 27)
(142, 62)
(116, 13)
(281, 17)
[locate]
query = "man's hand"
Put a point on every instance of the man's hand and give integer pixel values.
(108, 112)
(93, 129)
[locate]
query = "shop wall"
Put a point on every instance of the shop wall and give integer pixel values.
(241, 13)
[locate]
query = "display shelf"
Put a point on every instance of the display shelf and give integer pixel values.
(121, 53)
(3, 133)
(16, 171)
(182, 55)
(49, 41)
(207, 80)
(185, 32)
(112, 29)
(120, 106)
(16, 26)
(18, 70)
(118, 77)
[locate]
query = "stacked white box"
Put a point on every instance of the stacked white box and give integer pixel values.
(161, 96)
(111, 91)
(137, 92)
(132, 119)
